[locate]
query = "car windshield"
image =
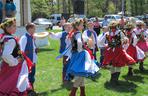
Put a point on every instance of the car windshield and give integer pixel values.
(118, 17)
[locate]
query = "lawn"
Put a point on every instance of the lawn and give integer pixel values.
(49, 79)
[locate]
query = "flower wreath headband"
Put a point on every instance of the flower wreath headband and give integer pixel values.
(7, 22)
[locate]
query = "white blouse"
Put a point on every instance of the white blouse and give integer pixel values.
(78, 37)
(23, 42)
(7, 52)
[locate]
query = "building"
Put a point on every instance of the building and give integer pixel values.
(23, 14)
(23, 11)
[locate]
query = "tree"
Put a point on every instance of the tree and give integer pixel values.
(111, 8)
(39, 8)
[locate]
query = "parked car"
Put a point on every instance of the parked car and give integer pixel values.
(43, 21)
(55, 18)
(113, 17)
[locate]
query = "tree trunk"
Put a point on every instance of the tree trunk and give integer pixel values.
(64, 6)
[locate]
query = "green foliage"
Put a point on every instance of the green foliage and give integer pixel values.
(111, 8)
(43, 8)
(40, 8)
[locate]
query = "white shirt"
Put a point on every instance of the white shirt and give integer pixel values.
(78, 37)
(85, 38)
(58, 36)
(135, 39)
(23, 42)
(7, 52)
(137, 31)
(102, 40)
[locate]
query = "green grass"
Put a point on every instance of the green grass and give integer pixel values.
(49, 79)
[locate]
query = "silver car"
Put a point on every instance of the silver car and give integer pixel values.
(44, 22)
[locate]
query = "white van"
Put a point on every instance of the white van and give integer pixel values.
(55, 18)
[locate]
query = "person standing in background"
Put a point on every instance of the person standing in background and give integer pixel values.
(62, 22)
(10, 8)
(97, 26)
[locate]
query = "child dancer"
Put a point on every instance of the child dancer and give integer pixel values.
(27, 45)
(102, 42)
(142, 43)
(90, 39)
(13, 69)
(81, 64)
(115, 56)
(133, 50)
(64, 44)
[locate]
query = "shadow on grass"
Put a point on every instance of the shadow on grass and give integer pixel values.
(135, 78)
(44, 49)
(45, 93)
(95, 77)
(124, 86)
(145, 72)
(67, 86)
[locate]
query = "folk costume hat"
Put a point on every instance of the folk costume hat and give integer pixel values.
(7, 22)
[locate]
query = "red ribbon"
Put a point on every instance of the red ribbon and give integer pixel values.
(29, 62)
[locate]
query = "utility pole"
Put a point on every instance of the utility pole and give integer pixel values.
(123, 7)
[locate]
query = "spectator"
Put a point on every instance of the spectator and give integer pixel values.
(122, 23)
(62, 22)
(10, 8)
(97, 26)
(105, 22)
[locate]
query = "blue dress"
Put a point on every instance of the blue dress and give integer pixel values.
(81, 64)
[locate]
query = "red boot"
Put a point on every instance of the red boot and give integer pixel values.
(73, 91)
(82, 91)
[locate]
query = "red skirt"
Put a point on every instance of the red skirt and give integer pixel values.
(117, 57)
(8, 80)
(132, 52)
(143, 45)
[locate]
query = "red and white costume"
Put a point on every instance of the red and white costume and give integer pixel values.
(142, 36)
(114, 53)
(133, 50)
(13, 75)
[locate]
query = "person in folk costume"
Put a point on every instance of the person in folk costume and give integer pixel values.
(64, 44)
(145, 37)
(115, 56)
(102, 42)
(28, 46)
(132, 49)
(142, 42)
(13, 68)
(90, 38)
(81, 62)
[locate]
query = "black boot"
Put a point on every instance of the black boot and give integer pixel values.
(117, 77)
(73, 91)
(130, 71)
(114, 78)
(141, 68)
